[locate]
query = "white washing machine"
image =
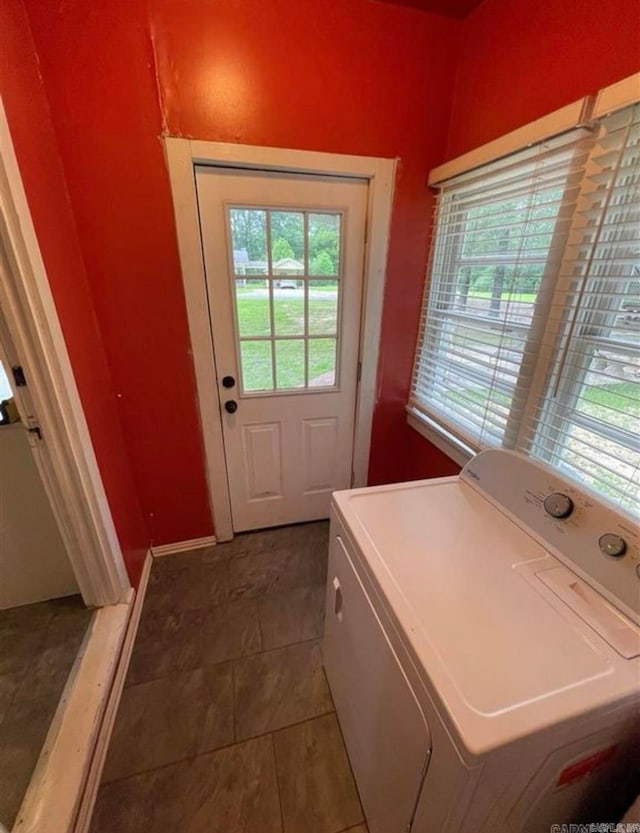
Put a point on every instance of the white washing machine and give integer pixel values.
(483, 650)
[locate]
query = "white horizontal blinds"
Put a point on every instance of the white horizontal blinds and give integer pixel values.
(588, 422)
(497, 231)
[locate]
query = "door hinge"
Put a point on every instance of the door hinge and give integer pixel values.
(18, 376)
(359, 372)
(353, 479)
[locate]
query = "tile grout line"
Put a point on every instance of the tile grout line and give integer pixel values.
(257, 604)
(353, 827)
(233, 702)
(236, 659)
(258, 600)
(216, 750)
(275, 767)
(232, 660)
(228, 600)
(274, 730)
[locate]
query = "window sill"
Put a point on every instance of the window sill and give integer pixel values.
(436, 436)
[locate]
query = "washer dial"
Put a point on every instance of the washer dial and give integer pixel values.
(558, 505)
(612, 544)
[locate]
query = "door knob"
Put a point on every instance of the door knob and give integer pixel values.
(228, 381)
(231, 406)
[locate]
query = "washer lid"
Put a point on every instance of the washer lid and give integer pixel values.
(454, 570)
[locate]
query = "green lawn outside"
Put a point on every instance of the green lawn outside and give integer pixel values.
(288, 311)
(617, 403)
(254, 320)
(525, 297)
(587, 451)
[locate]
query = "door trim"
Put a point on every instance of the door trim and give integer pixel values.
(182, 157)
(66, 459)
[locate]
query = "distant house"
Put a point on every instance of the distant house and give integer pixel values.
(243, 265)
(288, 266)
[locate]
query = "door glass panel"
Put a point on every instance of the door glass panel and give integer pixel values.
(290, 363)
(287, 301)
(253, 309)
(323, 307)
(287, 242)
(257, 367)
(249, 241)
(323, 240)
(288, 310)
(322, 362)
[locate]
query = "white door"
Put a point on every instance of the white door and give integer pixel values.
(284, 265)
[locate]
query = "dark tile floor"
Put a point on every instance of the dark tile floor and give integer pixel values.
(38, 645)
(226, 723)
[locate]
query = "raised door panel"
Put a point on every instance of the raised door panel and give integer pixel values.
(262, 446)
(320, 445)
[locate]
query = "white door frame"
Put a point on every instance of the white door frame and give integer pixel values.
(182, 157)
(65, 457)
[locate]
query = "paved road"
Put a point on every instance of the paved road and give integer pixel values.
(289, 293)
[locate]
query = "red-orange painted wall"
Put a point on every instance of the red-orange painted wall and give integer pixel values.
(35, 144)
(98, 67)
(354, 77)
(520, 60)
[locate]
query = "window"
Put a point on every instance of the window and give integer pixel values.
(287, 281)
(530, 332)
(588, 420)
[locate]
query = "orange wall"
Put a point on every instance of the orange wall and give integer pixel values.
(353, 77)
(356, 77)
(42, 173)
(517, 61)
(520, 60)
(98, 68)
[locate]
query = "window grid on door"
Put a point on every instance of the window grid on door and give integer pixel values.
(286, 267)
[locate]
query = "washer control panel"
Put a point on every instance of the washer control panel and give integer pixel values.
(594, 539)
(558, 505)
(611, 544)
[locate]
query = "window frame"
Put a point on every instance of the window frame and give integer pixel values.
(451, 437)
(567, 377)
(534, 405)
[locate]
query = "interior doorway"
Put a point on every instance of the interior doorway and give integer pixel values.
(50, 403)
(81, 636)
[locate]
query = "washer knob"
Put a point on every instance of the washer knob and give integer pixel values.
(612, 544)
(558, 505)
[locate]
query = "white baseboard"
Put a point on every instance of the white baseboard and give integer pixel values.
(65, 782)
(183, 546)
(92, 782)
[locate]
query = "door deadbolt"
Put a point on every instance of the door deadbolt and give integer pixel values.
(228, 381)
